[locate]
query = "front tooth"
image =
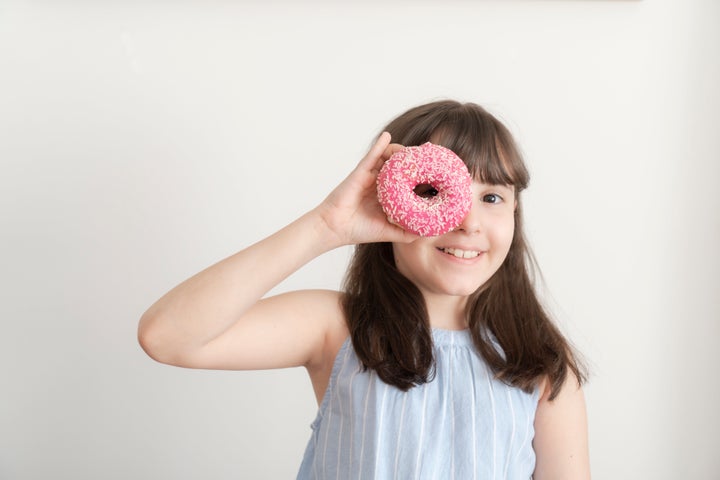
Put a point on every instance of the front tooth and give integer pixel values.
(456, 252)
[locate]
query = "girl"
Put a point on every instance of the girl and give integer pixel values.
(436, 361)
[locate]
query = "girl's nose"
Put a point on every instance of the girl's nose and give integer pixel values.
(471, 223)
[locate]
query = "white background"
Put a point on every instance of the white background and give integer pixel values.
(143, 141)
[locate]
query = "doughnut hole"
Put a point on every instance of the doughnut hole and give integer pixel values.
(425, 190)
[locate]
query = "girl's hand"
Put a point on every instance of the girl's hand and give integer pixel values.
(352, 213)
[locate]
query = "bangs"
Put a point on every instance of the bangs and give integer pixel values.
(488, 158)
(487, 148)
(478, 138)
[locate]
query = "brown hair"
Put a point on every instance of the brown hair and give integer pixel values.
(386, 313)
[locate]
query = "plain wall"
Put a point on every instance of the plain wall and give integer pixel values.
(141, 142)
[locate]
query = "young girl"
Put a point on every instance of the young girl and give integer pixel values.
(436, 361)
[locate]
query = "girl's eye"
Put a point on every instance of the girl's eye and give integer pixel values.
(492, 198)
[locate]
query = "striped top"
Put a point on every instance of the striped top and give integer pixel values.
(462, 425)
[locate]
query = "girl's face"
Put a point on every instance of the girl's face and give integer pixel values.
(461, 261)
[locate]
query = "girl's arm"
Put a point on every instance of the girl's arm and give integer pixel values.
(561, 436)
(216, 319)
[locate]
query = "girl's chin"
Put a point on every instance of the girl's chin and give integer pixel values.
(464, 293)
(461, 291)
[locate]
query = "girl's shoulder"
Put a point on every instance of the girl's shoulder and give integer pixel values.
(329, 303)
(324, 312)
(324, 308)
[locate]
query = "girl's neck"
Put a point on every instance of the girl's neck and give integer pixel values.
(447, 312)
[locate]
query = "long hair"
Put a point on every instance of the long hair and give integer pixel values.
(386, 313)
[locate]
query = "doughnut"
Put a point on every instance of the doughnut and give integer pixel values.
(425, 190)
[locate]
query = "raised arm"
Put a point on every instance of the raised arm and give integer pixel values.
(561, 436)
(216, 319)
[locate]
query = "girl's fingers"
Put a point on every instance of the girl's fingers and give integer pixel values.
(392, 148)
(389, 151)
(354, 211)
(402, 236)
(370, 161)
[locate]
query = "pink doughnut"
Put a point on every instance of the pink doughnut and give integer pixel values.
(429, 165)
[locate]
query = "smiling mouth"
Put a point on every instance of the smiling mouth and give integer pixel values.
(456, 252)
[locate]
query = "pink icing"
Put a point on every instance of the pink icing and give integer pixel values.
(427, 164)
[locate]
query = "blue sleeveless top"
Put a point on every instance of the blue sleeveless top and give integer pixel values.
(462, 425)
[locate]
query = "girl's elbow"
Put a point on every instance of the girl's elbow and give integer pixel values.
(152, 340)
(164, 344)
